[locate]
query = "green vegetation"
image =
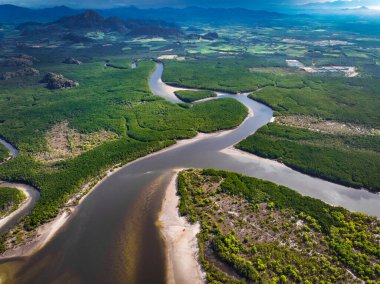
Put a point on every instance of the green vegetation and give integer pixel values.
(254, 231)
(231, 75)
(163, 120)
(4, 153)
(350, 160)
(345, 159)
(354, 100)
(192, 96)
(108, 99)
(347, 100)
(10, 199)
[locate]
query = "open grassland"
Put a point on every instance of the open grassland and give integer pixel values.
(4, 153)
(254, 231)
(10, 199)
(352, 160)
(108, 100)
(192, 96)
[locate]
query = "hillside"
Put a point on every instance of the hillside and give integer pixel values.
(91, 20)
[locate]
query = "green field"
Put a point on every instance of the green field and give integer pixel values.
(192, 96)
(254, 231)
(345, 159)
(10, 199)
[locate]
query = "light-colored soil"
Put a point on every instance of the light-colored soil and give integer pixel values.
(64, 142)
(275, 70)
(180, 240)
(325, 126)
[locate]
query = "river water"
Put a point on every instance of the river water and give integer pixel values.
(33, 195)
(13, 150)
(113, 236)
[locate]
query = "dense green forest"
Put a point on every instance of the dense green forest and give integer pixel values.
(191, 96)
(10, 199)
(355, 100)
(254, 231)
(345, 159)
(347, 100)
(4, 153)
(118, 101)
(229, 74)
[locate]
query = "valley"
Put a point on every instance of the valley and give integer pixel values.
(100, 111)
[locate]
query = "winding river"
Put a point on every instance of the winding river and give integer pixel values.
(32, 196)
(113, 236)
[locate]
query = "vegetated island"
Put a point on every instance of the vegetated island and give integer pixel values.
(254, 231)
(189, 96)
(10, 199)
(325, 126)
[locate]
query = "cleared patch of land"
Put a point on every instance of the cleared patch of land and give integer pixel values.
(64, 142)
(325, 126)
(254, 231)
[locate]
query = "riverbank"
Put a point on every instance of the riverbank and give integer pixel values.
(27, 190)
(38, 238)
(13, 151)
(180, 238)
(243, 231)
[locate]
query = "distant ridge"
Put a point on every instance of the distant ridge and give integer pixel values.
(194, 13)
(16, 14)
(74, 28)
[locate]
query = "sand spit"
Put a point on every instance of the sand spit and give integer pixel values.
(180, 240)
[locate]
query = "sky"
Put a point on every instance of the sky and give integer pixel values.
(250, 4)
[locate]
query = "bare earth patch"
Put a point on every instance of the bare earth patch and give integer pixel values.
(275, 70)
(325, 126)
(64, 142)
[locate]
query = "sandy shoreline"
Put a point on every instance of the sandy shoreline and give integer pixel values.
(43, 234)
(181, 243)
(27, 190)
(232, 151)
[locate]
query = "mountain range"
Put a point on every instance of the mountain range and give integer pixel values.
(16, 14)
(74, 28)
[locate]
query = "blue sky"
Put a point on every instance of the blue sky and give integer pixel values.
(252, 4)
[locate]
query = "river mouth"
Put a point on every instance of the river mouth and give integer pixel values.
(112, 237)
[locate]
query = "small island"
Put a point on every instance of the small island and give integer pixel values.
(254, 231)
(189, 96)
